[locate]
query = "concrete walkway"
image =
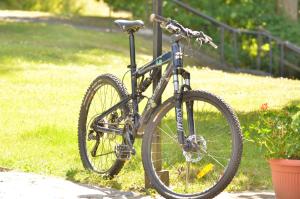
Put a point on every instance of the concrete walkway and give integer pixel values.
(19, 185)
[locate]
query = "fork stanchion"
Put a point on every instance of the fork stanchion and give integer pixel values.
(157, 51)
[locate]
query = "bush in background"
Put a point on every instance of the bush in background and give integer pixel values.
(55, 6)
(248, 14)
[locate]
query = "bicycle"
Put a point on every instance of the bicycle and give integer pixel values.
(194, 135)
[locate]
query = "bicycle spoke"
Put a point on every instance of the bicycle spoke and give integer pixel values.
(103, 93)
(169, 135)
(216, 160)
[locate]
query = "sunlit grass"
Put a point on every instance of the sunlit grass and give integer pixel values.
(100, 8)
(44, 73)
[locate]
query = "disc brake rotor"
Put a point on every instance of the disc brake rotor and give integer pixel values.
(197, 150)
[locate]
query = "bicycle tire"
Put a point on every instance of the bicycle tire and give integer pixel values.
(106, 79)
(235, 158)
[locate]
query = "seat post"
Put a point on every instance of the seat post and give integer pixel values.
(132, 51)
(133, 78)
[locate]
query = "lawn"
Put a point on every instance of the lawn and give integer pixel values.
(44, 72)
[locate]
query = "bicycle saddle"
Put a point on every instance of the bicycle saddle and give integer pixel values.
(129, 26)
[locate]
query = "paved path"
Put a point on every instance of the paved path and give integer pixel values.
(19, 185)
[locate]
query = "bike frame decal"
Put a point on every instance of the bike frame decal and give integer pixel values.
(159, 61)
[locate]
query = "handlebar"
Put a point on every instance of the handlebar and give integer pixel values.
(175, 27)
(159, 19)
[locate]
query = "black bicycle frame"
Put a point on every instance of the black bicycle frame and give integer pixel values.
(135, 74)
(175, 67)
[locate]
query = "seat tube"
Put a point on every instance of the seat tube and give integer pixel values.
(177, 63)
(133, 77)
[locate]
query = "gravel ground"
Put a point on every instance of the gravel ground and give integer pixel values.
(20, 185)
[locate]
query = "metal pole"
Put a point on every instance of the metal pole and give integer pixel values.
(157, 51)
(258, 59)
(281, 58)
(271, 56)
(157, 38)
(236, 58)
(222, 46)
(110, 17)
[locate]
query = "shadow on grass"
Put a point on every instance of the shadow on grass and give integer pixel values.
(84, 176)
(61, 45)
(6, 70)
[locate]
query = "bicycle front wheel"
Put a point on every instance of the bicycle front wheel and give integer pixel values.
(201, 173)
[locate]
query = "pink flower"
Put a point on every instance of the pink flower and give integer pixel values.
(264, 106)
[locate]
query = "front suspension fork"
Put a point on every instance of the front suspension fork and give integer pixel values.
(178, 93)
(189, 104)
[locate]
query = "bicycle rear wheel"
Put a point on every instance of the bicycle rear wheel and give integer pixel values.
(197, 174)
(98, 149)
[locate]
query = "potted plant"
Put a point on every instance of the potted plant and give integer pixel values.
(278, 134)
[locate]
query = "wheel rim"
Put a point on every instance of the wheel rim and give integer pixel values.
(104, 97)
(213, 131)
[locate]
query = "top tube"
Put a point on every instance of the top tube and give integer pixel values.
(164, 58)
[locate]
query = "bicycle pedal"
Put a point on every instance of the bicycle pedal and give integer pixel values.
(123, 152)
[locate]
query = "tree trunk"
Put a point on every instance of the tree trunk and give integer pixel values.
(289, 8)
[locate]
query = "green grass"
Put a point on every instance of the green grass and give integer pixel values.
(44, 72)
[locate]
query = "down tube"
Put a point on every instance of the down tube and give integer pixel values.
(152, 102)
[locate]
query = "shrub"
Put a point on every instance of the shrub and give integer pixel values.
(244, 14)
(249, 14)
(55, 6)
(277, 132)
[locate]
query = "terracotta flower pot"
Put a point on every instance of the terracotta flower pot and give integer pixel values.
(286, 178)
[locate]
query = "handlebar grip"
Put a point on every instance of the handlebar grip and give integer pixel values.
(213, 44)
(157, 18)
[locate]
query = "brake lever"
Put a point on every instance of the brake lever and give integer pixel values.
(171, 28)
(207, 40)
